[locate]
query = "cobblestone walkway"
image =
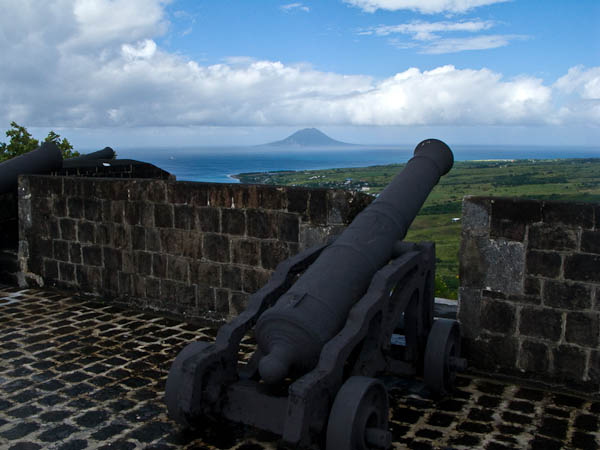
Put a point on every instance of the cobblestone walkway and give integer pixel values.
(77, 374)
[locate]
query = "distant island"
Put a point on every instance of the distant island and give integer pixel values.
(308, 137)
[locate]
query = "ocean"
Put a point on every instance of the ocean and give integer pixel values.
(218, 164)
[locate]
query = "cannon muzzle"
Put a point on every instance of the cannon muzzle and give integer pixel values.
(292, 333)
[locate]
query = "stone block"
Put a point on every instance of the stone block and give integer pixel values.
(125, 284)
(75, 253)
(138, 238)
(288, 227)
(171, 241)
(516, 210)
(178, 268)
(205, 274)
(262, 224)
(128, 262)
(507, 229)
(567, 295)
(121, 237)
(50, 269)
(113, 258)
(222, 300)
(205, 298)
(67, 272)
(551, 237)
(138, 285)
(92, 210)
(590, 241)
(594, 367)
(569, 363)
(153, 239)
(179, 192)
(469, 312)
(60, 250)
(89, 278)
(68, 231)
(143, 262)
(254, 279)
(192, 244)
(472, 264)
(532, 286)
(252, 200)
(156, 191)
(133, 213)
(209, 219)
(318, 207)
(147, 215)
(153, 288)
(297, 201)
(47, 185)
(498, 316)
(159, 265)
(583, 329)
(185, 217)
(92, 255)
(110, 282)
(233, 221)
(272, 253)
(59, 206)
(239, 193)
(534, 357)
(238, 302)
(86, 232)
(216, 247)
(245, 251)
(232, 278)
(583, 267)
(545, 264)
(104, 233)
(163, 215)
(271, 197)
(491, 352)
(571, 214)
(505, 266)
(219, 196)
(544, 323)
(117, 211)
(75, 207)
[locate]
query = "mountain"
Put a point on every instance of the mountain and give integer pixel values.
(308, 137)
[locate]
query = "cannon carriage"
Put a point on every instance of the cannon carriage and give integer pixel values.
(328, 322)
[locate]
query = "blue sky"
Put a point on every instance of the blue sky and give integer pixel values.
(232, 72)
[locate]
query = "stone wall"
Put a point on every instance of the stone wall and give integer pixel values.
(193, 249)
(529, 300)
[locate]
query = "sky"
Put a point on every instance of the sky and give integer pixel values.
(158, 73)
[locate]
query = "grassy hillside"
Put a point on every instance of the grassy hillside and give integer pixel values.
(576, 180)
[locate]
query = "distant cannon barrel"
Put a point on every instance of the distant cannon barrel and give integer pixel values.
(44, 159)
(292, 333)
(105, 153)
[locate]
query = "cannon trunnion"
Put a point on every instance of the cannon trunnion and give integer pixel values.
(324, 325)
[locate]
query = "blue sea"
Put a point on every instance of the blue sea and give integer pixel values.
(219, 164)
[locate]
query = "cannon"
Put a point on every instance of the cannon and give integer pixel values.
(44, 159)
(329, 321)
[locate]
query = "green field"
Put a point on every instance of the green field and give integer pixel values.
(576, 180)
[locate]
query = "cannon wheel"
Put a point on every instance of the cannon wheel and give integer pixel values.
(359, 416)
(443, 347)
(175, 380)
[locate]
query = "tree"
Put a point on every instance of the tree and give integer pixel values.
(21, 141)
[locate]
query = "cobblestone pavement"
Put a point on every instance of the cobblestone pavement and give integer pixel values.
(78, 374)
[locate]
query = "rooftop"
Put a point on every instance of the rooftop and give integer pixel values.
(79, 373)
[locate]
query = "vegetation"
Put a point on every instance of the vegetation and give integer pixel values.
(574, 180)
(21, 141)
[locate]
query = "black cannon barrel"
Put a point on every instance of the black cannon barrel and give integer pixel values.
(105, 153)
(44, 159)
(292, 333)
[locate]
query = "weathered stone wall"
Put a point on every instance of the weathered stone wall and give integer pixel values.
(529, 300)
(193, 249)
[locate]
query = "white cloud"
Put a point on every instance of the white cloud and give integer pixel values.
(422, 6)
(129, 81)
(425, 31)
(291, 6)
(483, 42)
(429, 39)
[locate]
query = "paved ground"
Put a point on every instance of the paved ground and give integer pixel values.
(77, 374)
